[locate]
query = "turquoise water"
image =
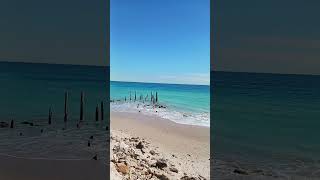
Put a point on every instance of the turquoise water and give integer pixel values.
(187, 104)
(267, 121)
(28, 90)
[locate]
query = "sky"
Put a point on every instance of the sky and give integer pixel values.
(267, 36)
(59, 31)
(162, 41)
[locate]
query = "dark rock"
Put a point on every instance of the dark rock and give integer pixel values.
(41, 130)
(188, 178)
(107, 128)
(95, 157)
(161, 177)
(139, 145)
(173, 169)
(152, 152)
(239, 171)
(91, 137)
(89, 144)
(161, 163)
(4, 124)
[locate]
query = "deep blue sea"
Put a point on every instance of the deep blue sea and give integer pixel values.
(185, 104)
(28, 90)
(266, 121)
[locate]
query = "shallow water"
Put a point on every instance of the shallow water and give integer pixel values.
(185, 104)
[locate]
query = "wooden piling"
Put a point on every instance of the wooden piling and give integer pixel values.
(102, 111)
(65, 106)
(50, 116)
(81, 106)
(97, 113)
(11, 124)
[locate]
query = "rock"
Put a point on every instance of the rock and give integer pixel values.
(122, 168)
(89, 144)
(188, 178)
(139, 145)
(173, 169)
(95, 157)
(161, 163)
(4, 124)
(20, 134)
(161, 177)
(91, 137)
(239, 171)
(41, 130)
(152, 152)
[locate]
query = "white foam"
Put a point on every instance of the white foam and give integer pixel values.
(190, 118)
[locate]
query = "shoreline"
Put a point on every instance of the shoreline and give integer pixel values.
(186, 148)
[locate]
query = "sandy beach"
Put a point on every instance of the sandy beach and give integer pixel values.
(149, 147)
(13, 168)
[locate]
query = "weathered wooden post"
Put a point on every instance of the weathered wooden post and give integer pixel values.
(102, 111)
(50, 116)
(97, 113)
(81, 106)
(65, 106)
(11, 124)
(135, 95)
(156, 97)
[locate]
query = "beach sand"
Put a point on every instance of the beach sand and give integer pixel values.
(12, 168)
(169, 150)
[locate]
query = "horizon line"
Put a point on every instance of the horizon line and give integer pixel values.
(274, 73)
(95, 65)
(159, 83)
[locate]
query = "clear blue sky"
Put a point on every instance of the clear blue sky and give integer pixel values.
(166, 41)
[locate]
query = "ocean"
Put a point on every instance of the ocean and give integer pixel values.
(27, 92)
(185, 104)
(265, 122)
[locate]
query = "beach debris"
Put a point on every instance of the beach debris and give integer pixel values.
(4, 124)
(12, 124)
